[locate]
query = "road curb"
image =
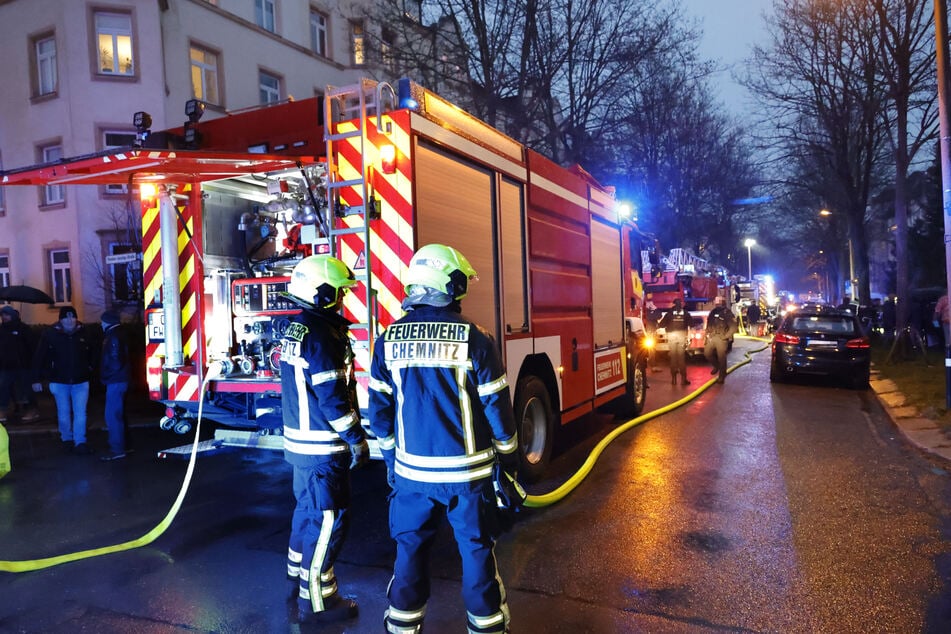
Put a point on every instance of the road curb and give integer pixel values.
(920, 431)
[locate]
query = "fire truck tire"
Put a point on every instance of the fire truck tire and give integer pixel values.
(536, 429)
(183, 427)
(632, 403)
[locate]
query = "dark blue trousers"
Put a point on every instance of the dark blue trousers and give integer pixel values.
(318, 529)
(414, 519)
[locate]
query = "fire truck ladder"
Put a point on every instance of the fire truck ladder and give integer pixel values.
(354, 103)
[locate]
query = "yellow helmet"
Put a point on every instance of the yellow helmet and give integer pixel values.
(440, 268)
(317, 280)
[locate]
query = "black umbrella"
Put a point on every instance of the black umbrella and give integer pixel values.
(26, 294)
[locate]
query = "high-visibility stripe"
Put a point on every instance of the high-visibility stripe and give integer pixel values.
(328, 376)
(407, 615)
(486, 621)
(442, 477)
(313, 435)
(380, 386)
(445, 462)
(344, 423)
(465, 411)
(320, 553)
(506, 446)
(495, 386)
(311, 449)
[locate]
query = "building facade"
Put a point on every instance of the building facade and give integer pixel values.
(77, 71)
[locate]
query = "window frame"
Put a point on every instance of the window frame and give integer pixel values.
(116, 189)
(4, 269)
(51, 195)
(115, 34)
(124, 269)
(45, 60)
(319, 34)
(358, 49)
(57, 269)
(264, 11)
(204, 70)
(267, 90)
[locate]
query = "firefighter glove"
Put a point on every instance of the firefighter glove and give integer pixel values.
(390, 478)
(360, 454)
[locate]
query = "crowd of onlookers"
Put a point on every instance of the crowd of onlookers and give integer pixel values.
(64, 358)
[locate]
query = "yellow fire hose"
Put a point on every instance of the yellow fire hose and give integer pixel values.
(149, 537)
(547, 499)
(533, 501)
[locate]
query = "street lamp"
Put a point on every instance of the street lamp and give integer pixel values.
(748, 243)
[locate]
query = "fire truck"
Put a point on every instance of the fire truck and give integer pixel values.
(696, 283)
(369, 172)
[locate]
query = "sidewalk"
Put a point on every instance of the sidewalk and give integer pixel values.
(918, 430)
(140, 412)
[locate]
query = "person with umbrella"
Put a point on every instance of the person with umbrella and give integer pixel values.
(16, 351)
(66, 357)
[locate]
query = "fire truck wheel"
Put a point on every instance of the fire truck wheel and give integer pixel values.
(534, 419)
(167, 423)
(632, 403)
(183, 427)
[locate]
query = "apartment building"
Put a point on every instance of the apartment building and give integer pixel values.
(75, 73)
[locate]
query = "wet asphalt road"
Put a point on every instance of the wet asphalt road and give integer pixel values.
(754, 508)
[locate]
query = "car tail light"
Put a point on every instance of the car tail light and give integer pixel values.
(861, 342)
(782, 337)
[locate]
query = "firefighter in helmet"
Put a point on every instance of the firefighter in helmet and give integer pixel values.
(323, 438)
(440, 407)
(676, 323)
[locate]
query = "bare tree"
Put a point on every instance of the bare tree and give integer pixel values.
(820, 84)
(906, 67)
(118, 283)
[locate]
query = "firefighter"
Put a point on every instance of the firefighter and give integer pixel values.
(721, 326)
(440, 406)
(676, 321)
(323, 439)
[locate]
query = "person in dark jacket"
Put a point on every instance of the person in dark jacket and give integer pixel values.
(440, 407)
(721, 326)
(16, 354)
(323, 438)
(114, 374)
(676, 322)
(65, 357)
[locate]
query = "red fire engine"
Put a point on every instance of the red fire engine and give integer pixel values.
(229, 205)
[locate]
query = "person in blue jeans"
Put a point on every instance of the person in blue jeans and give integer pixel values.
(65, 358)
(114, 373)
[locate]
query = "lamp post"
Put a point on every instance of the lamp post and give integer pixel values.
(748, 243)
(851, 286)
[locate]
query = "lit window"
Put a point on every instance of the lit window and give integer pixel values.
(45, 66)
(264, 14)
(52, 194)
(205, 75)
(117, 138)
(318, 33)
(60, 280)
(114, 39)
(357, 43)
(270, 88)
(4, 270)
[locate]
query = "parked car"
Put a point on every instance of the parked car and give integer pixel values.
(823, 341)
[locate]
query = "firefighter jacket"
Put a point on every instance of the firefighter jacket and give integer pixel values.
(64, 357)
(720, 322)
(675, 319)
(439, 402)
(318, 389)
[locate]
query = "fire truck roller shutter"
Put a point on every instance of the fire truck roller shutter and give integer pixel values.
(606, 296)
(455, 203)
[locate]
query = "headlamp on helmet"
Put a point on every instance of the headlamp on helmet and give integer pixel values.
(318, 280)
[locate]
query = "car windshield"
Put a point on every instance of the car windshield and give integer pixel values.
(824, 324)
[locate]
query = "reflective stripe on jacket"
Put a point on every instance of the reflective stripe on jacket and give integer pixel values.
(439, 400)
(318, 390)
